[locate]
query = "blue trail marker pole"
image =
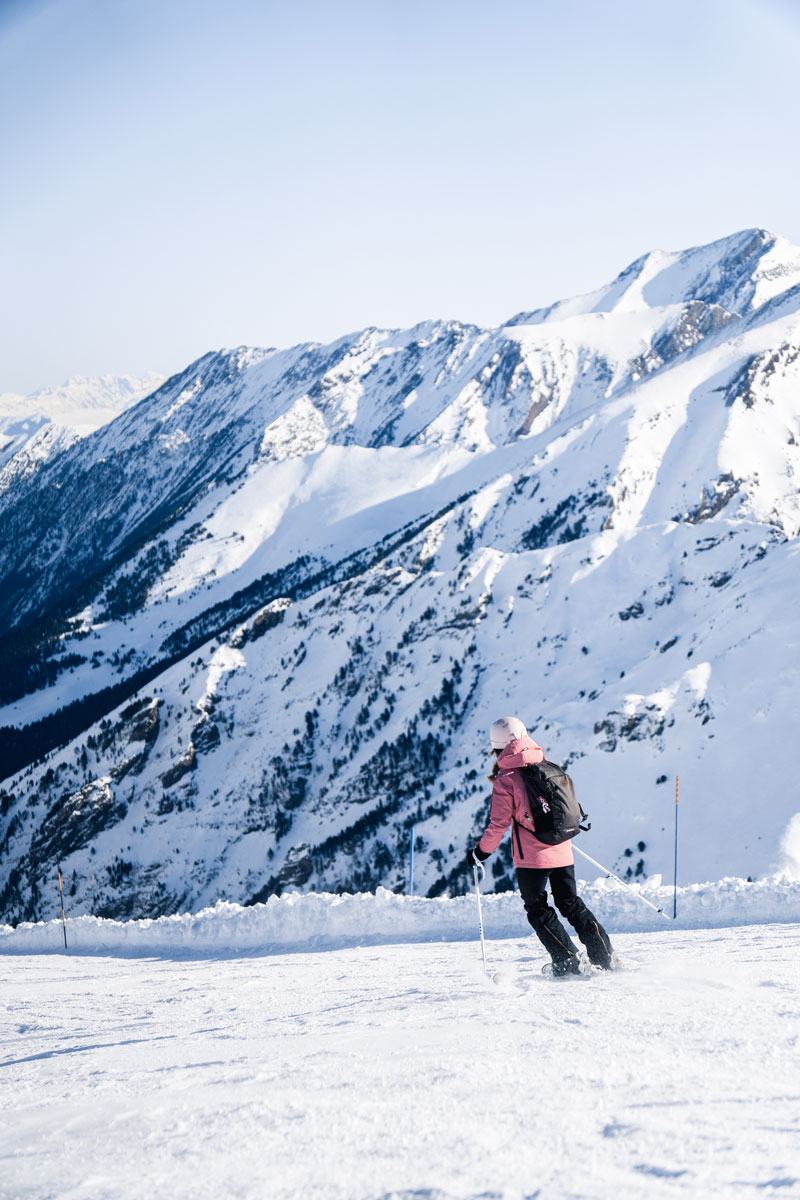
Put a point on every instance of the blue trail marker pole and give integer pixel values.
(411, 864)
(675, 884)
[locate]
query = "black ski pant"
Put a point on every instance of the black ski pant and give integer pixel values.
(549, 930)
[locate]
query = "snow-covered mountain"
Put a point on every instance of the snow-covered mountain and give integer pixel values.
(36, 426)
(258, 625)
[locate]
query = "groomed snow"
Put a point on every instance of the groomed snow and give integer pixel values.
(400, 1073)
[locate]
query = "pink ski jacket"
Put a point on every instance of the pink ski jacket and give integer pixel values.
(510, 804)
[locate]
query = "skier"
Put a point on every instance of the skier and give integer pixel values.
(536, 862)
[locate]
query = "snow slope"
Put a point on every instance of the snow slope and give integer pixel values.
(398, 1072)
(257, 627)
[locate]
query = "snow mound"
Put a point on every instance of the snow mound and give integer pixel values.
(304, 921)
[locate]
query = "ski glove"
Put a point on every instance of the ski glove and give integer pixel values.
(475, 855)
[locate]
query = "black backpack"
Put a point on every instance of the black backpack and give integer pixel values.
(557, 816)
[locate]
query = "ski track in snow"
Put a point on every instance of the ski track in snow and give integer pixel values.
(370, 1073)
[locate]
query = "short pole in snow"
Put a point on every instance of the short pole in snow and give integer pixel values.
(411, 864)
(63, 915)
(675, 883)
(611, 875)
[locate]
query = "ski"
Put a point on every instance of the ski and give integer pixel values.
(585, 969)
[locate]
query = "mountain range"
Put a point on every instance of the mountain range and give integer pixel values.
(44, 422)
(256, 627)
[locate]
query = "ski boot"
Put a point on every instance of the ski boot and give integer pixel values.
(614, 963)
(575, 966)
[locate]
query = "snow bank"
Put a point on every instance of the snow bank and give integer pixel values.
(790, 848)
(304, 921)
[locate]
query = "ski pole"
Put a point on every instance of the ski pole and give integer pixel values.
(479, 867)
(611, 875)
(63, 917)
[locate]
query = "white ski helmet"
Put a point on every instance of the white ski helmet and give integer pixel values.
(506, 730)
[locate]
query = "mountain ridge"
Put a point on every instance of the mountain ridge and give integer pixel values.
(407, 501)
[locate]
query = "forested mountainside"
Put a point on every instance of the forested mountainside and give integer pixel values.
(256, 627)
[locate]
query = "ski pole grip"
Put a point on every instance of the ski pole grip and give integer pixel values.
(480, 871)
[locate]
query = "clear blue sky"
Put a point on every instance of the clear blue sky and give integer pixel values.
(180, 175)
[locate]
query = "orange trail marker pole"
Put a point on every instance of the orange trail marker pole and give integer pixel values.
(63, 916)
(675, 884)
